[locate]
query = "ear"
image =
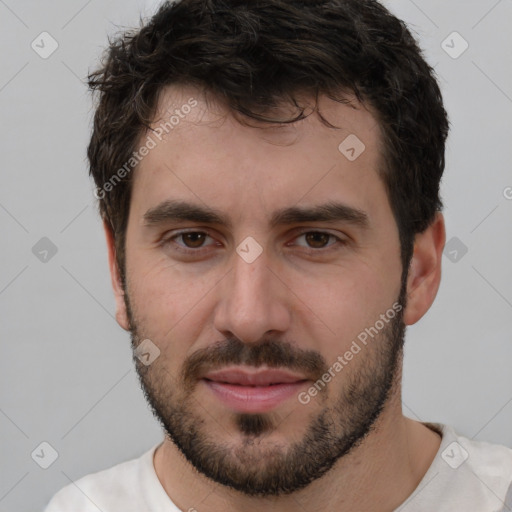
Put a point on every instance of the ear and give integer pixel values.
(121, 313)
(425, 270)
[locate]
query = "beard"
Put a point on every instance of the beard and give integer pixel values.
(255, 466)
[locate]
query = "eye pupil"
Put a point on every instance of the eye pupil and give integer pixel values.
(313, 237)
(196, 239)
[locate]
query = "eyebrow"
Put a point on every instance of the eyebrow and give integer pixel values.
(173, 210)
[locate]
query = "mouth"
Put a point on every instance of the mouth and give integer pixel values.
(253, 390)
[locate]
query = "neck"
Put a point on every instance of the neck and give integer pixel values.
(381, 473)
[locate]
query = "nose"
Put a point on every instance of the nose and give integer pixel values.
(253, 303)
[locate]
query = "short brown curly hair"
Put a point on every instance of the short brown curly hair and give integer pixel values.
(256, 54)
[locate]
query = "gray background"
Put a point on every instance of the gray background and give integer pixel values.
(66, 370)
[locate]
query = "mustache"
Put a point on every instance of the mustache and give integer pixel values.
(270, 352)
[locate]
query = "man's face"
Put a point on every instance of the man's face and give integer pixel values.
(257, 289)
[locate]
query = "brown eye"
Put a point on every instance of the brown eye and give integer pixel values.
(190, 243)
(194, 239)
(317, 240)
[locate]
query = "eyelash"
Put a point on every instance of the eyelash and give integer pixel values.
(200, 250)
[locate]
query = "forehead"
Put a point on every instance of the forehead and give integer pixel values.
(201, 152)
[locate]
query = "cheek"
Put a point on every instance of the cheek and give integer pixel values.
(168, 303)
(339, 306)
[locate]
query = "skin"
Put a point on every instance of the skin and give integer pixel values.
(318, 301)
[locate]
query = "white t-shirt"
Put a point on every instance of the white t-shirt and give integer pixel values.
(465, 476)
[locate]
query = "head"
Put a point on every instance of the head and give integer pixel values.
(268, 175)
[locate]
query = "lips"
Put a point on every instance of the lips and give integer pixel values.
(245, 377)
(253, 390)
